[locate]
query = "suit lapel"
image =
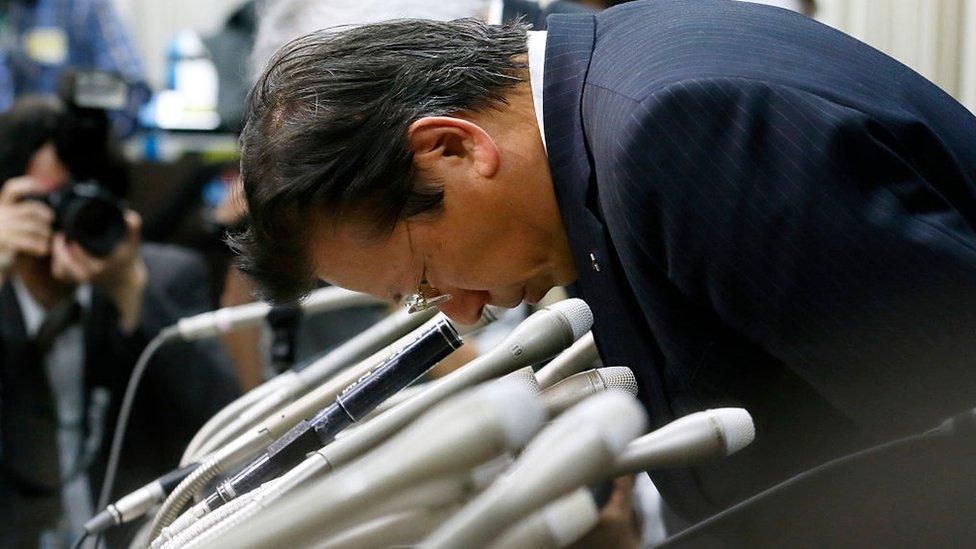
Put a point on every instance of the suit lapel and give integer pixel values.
(568, 50)
(620, 328)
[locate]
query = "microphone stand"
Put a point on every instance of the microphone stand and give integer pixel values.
(284, 321)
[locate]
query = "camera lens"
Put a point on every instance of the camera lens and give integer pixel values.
(93, 219)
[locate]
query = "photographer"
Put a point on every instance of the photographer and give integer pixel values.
(79, 301)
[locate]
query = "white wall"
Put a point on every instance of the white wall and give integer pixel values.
(152, 23)
(967, 91)
(937, 38)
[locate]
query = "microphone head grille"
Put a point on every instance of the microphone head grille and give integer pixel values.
(519, 412)
(619, 378)
(737, 428)
(619, 417)
(524, 377)
(577, 313)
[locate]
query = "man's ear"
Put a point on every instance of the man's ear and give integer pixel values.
(436, 138)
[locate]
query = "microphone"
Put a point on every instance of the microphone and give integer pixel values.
(322, 395)
(454, 436)
(279, 423)
(403, 529)
(130, 507)
(539, 337)
(352, 404)
(577, 387)
(557, 525)
(952, 439)
(262, 401)
(685, 442)
(224, 320)
(576, 449)
(580, 356)
(406, 394)
(525, 377)
(688, 441)
(371, 343)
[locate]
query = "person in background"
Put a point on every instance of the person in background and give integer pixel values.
(533, 12)
(71, 328)
(39, 39)
(230, 48)
(281, 21)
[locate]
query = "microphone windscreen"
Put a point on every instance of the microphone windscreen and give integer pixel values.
(519, 415)
(524, 377)
(620, 416)
(577, 313)
(618, 378)
(738, 430)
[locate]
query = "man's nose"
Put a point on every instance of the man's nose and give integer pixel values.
(465, 306)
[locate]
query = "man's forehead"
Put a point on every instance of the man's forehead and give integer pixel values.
(376, 266)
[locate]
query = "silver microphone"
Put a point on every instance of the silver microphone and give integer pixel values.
(525, 377)
(224, 320)
(685, 442)
(454, 436)
(559, 524)
(255, 440)
(577, 387)
(540, 336)
(688, 441)
(287, 386)
(582, 355)
(257, 405)
(574, 450)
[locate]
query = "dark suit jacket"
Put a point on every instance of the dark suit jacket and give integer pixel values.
(536, 15)
(765, 213)
(184, 385)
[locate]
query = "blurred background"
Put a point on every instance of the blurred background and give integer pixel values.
(928, 35)
(144, 98)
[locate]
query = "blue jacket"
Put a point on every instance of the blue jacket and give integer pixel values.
(765, 213)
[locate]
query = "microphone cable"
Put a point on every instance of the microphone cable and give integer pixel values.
(81, 540)
(965, 421)
(164, 336)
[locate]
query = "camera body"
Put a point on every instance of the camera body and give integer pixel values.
(89, 215)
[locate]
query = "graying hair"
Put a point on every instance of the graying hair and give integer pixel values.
(282, 21)
(326, 134)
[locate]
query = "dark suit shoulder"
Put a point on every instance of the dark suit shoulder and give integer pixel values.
(641, 47)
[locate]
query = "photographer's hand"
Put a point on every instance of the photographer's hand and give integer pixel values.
(122, 275)
(25, 225)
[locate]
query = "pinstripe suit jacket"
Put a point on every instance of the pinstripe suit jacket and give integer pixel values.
(765, 213)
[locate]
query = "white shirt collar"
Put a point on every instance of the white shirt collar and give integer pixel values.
(33, 312)
(537, 65)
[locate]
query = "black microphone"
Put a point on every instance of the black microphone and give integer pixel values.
(355, 402)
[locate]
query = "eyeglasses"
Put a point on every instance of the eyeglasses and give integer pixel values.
(419, 301)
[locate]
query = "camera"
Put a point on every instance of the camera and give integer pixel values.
(88, 215)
